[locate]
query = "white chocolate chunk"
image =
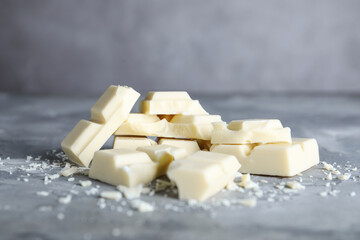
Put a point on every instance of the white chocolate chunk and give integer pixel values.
(132, 143)
(202, 174)
(295, 185)
(111, 195)
(249, 202)
(163, 155)
(345, 177)
(68, 171)
(85, 183)
(328, 166)
(108, 113)
(283, 159)
(142, 206)
(180, 126)
(250, 131)
(190, 146)
(247, 183)
(83, 171)
(167, 103)
(123, 167)
(53, 176)
(329, 176)
(108, 104)
(130, 193)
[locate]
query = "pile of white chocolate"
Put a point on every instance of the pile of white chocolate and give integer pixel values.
(197, 151)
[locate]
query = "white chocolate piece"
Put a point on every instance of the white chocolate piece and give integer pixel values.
(132, 143)
(180, 126)
(191, 146)
(202, 174)
(107, 115)
(167, 103)
(282, 159)
(250, 131)
(142, 206)
(130, 193)
(85, 183)
(66, 172)
(111, 195)
(163, 155)
(123, 167)
(109, 102)
(247, 183)
(295, 185)
(249, 202)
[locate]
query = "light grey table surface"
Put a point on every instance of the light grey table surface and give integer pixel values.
(35, 125)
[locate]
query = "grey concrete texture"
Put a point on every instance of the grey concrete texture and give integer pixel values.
(81, 47)
(34, 126)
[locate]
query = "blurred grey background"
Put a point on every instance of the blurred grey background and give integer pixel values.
(81, 47)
